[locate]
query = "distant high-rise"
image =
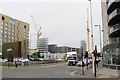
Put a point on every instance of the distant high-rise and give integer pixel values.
(13, 35)
(42, 45)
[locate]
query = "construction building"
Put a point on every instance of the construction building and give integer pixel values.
(14, 36)
(42, 45)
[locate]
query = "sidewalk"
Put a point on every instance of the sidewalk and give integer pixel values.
(101, 72)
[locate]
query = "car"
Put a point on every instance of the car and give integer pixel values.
(85, 62)
(80, 63)
(4, 60)
(60, 59)
(40, 59)
(23, 60)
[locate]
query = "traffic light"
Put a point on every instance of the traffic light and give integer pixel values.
(86, 54)
(95, 52)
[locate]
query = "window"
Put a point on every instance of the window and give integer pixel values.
(2, 31)
(2, 27)
(18, 24)
(3, 18)
(2, 23)
(24, 26)
(6, 24)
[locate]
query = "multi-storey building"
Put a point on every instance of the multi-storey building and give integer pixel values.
(52, 48)
(111, 33)
(65, 49)
(42, 45)
(12, 32)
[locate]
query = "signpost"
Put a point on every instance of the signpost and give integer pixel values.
(82, 61)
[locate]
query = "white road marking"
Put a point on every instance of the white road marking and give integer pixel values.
(72, 73)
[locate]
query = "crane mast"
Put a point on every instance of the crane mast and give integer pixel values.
(88, 34)
(39, 33)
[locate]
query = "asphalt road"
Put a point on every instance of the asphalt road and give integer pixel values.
(50, 71)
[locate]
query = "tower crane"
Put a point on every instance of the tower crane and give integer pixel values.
(39, 33)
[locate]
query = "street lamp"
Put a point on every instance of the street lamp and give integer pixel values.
(100, 37)
(30, 43)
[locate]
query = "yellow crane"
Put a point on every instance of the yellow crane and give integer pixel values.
(88, 34)
(39, 33)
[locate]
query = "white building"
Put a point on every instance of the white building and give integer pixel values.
(42, 45)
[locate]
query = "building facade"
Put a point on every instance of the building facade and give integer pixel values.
(111, 33)
(13, 30)
(52, 48)
(65, 49)
(42, 45)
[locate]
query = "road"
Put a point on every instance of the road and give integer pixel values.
(51, 71)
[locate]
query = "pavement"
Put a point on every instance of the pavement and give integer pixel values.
(101, 72)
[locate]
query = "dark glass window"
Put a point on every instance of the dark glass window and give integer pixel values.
(24, 26)
(3, 18)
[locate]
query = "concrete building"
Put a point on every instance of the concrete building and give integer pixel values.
(83, 45)
(13, 31)
(111, 33)
(42, 45)
(65, 49)
(52, 48)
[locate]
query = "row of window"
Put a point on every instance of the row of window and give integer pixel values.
(8, 37)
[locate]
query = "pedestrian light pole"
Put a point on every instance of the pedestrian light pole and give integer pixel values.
(95, 54)
(92, 35)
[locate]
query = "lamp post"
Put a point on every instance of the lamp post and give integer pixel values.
(100, 37)
(92, 35)
(30, 43)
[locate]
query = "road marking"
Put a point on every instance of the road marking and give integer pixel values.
(72, 73)
(51, 65)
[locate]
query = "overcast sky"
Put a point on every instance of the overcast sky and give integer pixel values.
(63, 22)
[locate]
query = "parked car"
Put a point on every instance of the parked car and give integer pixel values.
(40, 59)
(23, 60)
(81, 64)
(84, 62)
(4, 60)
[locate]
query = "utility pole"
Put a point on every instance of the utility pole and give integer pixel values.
(92, 34)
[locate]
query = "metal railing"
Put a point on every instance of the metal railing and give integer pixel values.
(114, 13)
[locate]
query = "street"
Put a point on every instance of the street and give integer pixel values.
(61, 70)
(51, 71)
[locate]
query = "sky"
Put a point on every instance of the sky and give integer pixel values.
(63, 22)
